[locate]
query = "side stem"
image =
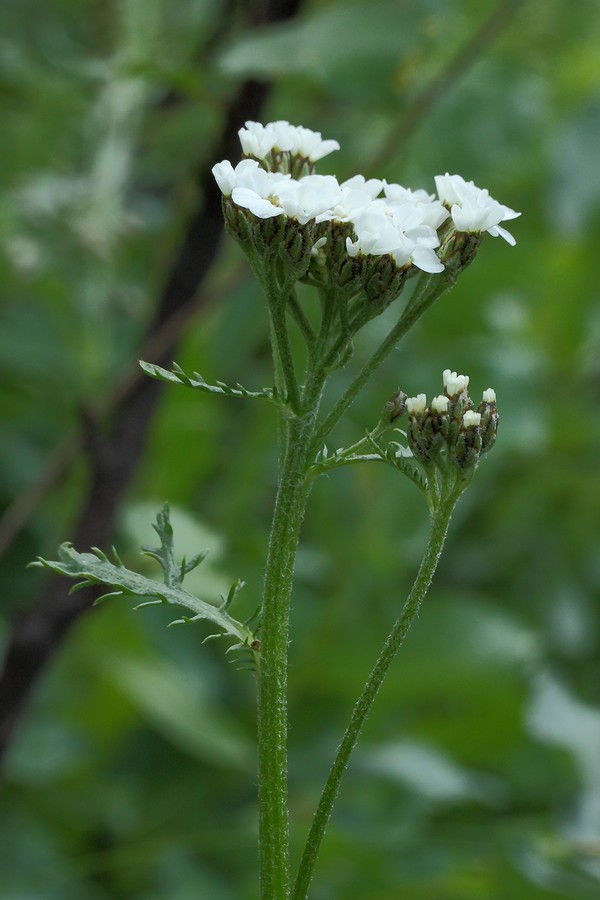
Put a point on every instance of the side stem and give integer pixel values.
(425, 294)
(439, 527)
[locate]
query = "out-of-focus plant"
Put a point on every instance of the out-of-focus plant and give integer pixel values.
(360, 245)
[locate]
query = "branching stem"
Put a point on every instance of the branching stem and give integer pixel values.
(439, 526)
(299, 442)
(430, 288)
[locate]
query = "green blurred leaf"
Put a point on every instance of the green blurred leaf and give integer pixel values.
(180, 709)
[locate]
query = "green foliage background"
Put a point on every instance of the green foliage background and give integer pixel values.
(132, 775)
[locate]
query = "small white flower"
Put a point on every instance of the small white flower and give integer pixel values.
(256, 139)
(396, 193)
(311, 145)
(376, 234)
(256, 189)
(309, 197)
(416, 405)
(424, 238)
(224, 176)
(351, 204)
(259, 140)
(318, 245)
(471, 419)
(429, 209)
(425, 259)
(489, 396)
(259, 206)
(356, 195)
(379, 231)
(453, 383)
(448, 188)
(440, 404)
(251, 187)
(370, 186)
(283, 135)
(472, 208)
(247, 174)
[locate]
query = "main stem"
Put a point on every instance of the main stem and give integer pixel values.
(439, 527)
(272, 680)
(289, 510)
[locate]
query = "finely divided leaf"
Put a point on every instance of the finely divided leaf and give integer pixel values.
(92, 568)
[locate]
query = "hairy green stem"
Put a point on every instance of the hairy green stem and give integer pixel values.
(272, 680)
(299, 316)
(290, 504)
(297, 443)
(280, 339)
(439, 527)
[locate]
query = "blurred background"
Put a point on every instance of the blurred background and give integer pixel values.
(129, 767)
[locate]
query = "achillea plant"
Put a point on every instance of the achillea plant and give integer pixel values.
(359, 244)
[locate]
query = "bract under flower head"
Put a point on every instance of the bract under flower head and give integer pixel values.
(472, 209)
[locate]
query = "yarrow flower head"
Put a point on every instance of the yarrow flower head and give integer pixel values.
(450, 429)
(363, 235)
(472, 209)
(280, 142)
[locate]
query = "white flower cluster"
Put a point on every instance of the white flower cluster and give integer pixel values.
(472, 209)
(259, 140)
(386, 219)
(268, 194)
(454, 385)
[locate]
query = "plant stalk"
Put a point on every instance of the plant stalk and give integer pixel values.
(272, 677)
(426, 292)
(290, 504)
(439, 527)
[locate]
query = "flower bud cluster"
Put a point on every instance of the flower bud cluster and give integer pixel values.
(450, 427)
(369, 234)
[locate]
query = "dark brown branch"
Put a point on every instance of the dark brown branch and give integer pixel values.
(36, 635)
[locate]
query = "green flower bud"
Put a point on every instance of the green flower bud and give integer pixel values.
(458, 248)
(395, 406)
(489, 420)
(449, 427)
